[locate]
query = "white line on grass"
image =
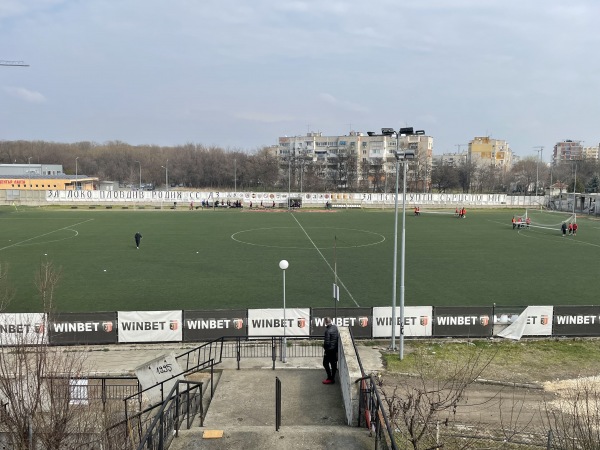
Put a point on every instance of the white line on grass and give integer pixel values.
(68, 227)
(527, 233)
(324, 259)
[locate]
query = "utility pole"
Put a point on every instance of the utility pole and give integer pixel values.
(539, 149)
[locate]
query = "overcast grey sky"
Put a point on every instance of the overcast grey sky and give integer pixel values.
(241, 73)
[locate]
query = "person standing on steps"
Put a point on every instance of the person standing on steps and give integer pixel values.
(330, 345)
(138, 239)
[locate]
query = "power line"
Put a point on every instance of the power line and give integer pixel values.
(13, 63)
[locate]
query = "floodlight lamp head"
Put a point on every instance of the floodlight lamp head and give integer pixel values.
(420, 132)
(387, 131)
(407, 131)
(404, 155)
(370, 133)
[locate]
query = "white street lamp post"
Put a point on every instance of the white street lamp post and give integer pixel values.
(76, 172)
(283, 265)
(166, 167)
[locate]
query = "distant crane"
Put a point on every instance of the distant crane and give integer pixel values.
(13, 63)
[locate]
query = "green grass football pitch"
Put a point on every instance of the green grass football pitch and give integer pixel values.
(226, 259)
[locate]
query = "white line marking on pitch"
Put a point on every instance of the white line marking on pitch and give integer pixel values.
(324, 259)
(45, 234)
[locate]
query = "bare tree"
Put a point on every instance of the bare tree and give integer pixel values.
(417, 404)
(573, 418)
(36, 381)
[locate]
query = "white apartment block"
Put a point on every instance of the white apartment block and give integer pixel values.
(590, 152)
(371, 154)
(567, 150)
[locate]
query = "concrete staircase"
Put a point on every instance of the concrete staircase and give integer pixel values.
(243, 409)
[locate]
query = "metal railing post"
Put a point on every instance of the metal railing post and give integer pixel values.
(177, 406)
(277, 403)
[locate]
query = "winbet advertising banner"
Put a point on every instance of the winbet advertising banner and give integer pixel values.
(201, 326)
(273, 322)
(417, 321)
(83, 328)
(469, 321)
(23, 329)
(359, 321)
(576, 321)
(149, 326)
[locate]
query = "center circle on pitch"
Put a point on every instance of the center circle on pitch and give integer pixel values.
(320, 237)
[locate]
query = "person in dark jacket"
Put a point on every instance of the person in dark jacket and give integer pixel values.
(330, 345)
(138, 238)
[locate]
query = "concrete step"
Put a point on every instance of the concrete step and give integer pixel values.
(287, 438)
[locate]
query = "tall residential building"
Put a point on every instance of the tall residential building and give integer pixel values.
(365, 158)
(567, 150)
(451, 159)
(488, 151)
(591, 152)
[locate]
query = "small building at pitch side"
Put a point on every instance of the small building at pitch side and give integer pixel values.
(42, 177)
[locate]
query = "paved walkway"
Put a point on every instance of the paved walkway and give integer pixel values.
(243, 407)
(122, 360)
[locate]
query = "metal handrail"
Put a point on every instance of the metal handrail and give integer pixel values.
(363, 402)
(159, 419)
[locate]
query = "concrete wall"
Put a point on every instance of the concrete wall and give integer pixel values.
(349, 372)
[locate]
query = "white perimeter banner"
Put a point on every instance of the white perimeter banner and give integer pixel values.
(417, 321)
(23, 329)
(268, 198)
(271, 322)
(534, 321)
(150, 326)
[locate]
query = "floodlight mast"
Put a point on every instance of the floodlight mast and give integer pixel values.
(404, 157)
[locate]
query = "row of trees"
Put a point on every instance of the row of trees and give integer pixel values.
(197, 166)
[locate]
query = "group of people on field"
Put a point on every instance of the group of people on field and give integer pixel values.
(571, 228)
(520, 223)
(461, 213)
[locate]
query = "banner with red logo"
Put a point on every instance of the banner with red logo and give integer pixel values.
(150, 326)
(467, 321)
(532, 321)
(417, 321)
(576, 321)
(199, 326)
(82, 328)
(273, 322)
(359, 320)
(23, 329)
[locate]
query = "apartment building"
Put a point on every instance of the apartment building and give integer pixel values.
(590, 152)
(567, 150)
(488, 151)
(367, 158)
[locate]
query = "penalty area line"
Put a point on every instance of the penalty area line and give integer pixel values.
(45, 234)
